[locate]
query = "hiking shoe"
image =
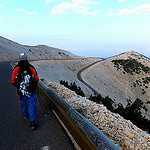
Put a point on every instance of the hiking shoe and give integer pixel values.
(32, 125)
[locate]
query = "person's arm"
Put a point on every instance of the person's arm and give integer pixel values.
(14, 75)
(34, 73)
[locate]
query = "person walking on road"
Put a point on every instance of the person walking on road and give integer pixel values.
(25, 78)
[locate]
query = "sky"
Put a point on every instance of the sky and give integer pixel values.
(90, 28)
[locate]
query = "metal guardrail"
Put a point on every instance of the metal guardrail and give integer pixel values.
(84, 132)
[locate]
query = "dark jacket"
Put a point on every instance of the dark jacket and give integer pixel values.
(24, 64)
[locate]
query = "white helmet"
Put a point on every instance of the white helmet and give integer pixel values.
(22, 56)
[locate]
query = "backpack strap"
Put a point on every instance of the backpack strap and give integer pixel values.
(34, 73)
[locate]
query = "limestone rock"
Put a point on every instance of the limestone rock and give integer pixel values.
(128, 134)
(126, 144)
(94, 111)
(122, 132)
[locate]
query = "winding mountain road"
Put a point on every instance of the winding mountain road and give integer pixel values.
(82, 80)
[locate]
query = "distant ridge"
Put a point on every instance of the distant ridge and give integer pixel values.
(133, 55)
(10, 50)
(52, 52)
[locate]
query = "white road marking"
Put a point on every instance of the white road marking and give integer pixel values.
(45, 148)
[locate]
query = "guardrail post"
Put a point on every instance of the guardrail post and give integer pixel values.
(83, 111)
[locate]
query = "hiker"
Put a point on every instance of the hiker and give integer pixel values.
(25, 78)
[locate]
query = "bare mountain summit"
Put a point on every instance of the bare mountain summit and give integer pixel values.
(133, 55)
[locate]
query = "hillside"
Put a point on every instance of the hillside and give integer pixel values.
(52, 53)
(52, 63)
(10, 50)
(57, 70)
(116, 76)
(122, 77)
(121, 131)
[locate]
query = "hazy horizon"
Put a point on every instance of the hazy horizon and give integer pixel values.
(95, 28)
(102, 50)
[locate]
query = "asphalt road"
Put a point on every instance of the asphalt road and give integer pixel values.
(82, 80)
(15, 133)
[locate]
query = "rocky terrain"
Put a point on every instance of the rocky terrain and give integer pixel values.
(55, 64)
(104, 77)
(66, 70)
(119, 84)
(122, 132)
(10, 50)
(108, 77)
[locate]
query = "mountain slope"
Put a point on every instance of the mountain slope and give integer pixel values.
(10, 50)
(66, 70)
(52, 63)
(119, 84)
(109, 77)
(51, 52)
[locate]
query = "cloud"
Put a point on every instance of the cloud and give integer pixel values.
(2, 17)
(83, 7)
(93, 12)
(1, 5)
(20, 10)
(127, 12)
(85, 2)
(69, 7)
(143, 9)
(32, 13)
(48, 1)
(110, 14)
(27, 12)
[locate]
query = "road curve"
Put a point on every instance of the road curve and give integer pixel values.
(81, 79)
(14, 130)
